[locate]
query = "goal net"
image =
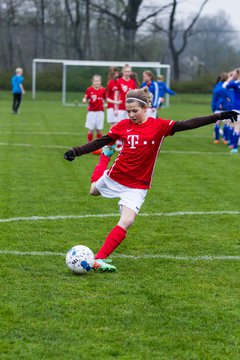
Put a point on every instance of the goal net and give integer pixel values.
(75, 76)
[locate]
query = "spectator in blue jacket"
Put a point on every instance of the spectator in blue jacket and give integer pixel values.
(17, 89)
(162, 90)
(222, 100)
(233, 82)
(148, 80)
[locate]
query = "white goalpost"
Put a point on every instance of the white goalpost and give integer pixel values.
(157, 66)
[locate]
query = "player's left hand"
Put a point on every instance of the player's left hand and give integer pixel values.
(69, 155)
(231, 115)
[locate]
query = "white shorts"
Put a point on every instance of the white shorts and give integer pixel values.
(152, 112)
(95, 120)
(122, 114)
(112, 116)
(129, 197)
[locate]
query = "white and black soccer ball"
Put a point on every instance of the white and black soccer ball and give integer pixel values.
(80, 259)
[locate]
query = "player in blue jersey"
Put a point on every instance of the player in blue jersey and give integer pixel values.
(233, 82)
(17, 89)
(162, 90)
(222, 100)
(153, 89)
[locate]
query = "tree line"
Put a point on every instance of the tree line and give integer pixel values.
(130, 30)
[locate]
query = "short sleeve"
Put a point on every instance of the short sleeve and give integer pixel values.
(116, 131)
(165, 127)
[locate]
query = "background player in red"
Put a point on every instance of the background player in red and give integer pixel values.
(113, 74)
(95, 96)
(123, 85)
(129, 178)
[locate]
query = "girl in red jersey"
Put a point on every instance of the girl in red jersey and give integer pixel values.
(95, 96)
(123, 85)
(130, 176)
(113, 74)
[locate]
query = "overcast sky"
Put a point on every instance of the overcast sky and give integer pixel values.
(186, 7)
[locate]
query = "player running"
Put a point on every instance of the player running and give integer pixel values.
(130, 176)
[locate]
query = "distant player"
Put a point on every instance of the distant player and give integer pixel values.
(222, 100)
(130, 177)
(233, 82)
(123, 85)
(162, 90)
(17, 90)
(113, 75)
(153, 88)
(95, 96)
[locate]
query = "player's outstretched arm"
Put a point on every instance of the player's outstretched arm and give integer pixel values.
(87, 148)
(204, 120)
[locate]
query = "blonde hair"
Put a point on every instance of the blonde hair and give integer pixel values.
(160, 78)
(19, 71)
(97, 77)
(142, 96)
(126, 66)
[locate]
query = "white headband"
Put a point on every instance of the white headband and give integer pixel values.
(136, 99)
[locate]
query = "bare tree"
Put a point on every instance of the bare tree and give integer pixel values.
(126, 18)
(175, 36)
(74, 15)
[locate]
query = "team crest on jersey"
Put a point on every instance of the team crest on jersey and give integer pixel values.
(124, 88)
(94, 97)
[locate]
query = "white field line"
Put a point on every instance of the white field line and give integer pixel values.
(32, 145)
(123, 256)
(66, 133)
(86, 216)
(162, 152)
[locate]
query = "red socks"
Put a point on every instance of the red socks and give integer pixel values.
(99, 135)
(100, 168)
(113, 240)
(90, 137)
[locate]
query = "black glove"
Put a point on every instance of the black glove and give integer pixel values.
(69, 155)
(231, 115)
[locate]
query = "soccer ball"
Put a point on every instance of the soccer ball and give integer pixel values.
(80, 259)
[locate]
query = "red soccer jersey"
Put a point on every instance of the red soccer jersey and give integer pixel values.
(111, 88)
(141, 143)
(123, 87)
(95, 98)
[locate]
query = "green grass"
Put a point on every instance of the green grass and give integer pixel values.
(151, 308)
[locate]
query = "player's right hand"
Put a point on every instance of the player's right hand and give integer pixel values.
(69, 155)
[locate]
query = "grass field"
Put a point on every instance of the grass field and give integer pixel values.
(176, 294)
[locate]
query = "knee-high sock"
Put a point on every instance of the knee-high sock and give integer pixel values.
(100, 167)
(216, 130)
(225, 132)
(113, 240)
(90, 137)
(99, 135)
(235, 140)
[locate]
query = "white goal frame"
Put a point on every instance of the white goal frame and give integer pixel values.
(65, 63)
